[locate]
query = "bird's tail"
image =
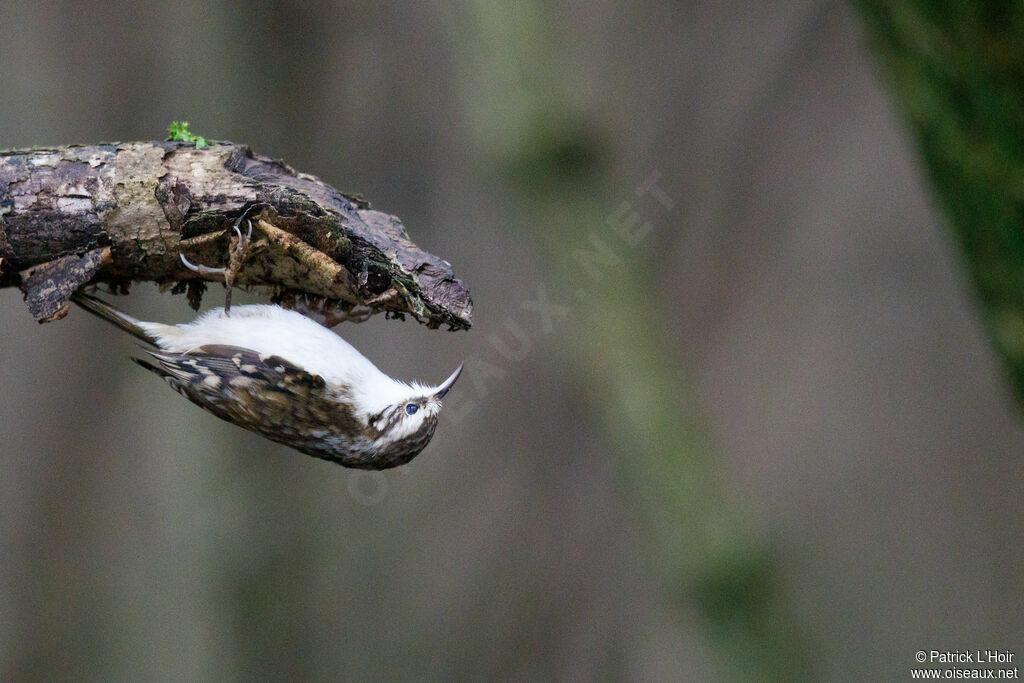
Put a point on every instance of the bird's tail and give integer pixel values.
(102, 309)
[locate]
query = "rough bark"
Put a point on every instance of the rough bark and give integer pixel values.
(123, 212)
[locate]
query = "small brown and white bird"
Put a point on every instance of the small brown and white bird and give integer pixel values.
(279, 373)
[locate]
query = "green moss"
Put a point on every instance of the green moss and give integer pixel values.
(178, 132)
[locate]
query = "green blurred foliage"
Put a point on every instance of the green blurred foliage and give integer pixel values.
(698, 547)
(957, 70)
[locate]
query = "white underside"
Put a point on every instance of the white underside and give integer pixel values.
(275, 331)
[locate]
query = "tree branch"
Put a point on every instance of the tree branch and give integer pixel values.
(123, 212)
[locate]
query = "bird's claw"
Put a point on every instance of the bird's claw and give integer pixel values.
(204, 270)
(236, 257)
(238, 233)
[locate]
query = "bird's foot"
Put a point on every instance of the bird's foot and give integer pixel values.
(236, 256)
(335, 316)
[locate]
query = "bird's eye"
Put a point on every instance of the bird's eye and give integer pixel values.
(411, 408)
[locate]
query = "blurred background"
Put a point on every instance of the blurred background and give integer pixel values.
(731, 409)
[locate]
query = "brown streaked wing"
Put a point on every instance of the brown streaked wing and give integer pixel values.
(265, 394)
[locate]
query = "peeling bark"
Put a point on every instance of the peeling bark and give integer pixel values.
(123, 212)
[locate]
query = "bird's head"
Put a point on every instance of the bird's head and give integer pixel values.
(406, 423)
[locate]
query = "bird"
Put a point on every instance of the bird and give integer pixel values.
(276, 372)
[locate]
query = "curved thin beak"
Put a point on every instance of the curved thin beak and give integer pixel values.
(443, 389)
